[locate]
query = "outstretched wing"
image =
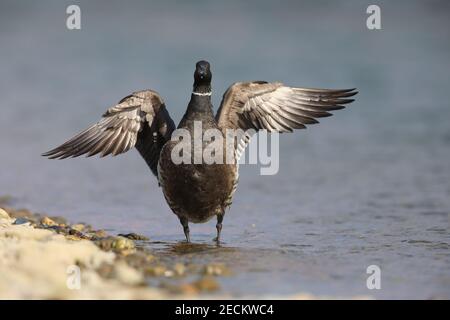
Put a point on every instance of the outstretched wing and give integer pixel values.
(276, 108)
(139, 120)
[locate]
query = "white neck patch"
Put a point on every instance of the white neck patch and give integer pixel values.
(202, 94)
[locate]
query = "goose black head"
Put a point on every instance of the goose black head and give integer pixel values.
(202, 74)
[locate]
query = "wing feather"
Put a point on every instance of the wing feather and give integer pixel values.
(131, 123)
(275, 107)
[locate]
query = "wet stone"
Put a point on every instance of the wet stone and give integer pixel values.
(75, 232)
(19, 221)
(156, 271)
(73, 238)
(115, 243)
(207, 283)
(134, 236)
(216, 269)
(78, 227)
(179, 269)
(46, 221)
(59, 220)
(184, 289)
(140, 260)
(97, 234)
(56, 228)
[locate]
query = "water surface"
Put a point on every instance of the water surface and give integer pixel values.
(371, 185)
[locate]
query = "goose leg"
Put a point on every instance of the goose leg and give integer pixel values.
(218, 227)
(185, 224)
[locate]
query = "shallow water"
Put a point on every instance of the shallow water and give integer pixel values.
(370, 185)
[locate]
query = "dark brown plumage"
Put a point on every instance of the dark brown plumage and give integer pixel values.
(198, 192)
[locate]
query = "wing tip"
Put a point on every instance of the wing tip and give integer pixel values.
(50, 154)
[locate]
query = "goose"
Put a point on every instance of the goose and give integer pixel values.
(197, 192)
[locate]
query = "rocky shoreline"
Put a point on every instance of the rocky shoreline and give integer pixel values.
(41, 258)
(46, 257)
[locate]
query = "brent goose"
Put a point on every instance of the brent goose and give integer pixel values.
(198, 192)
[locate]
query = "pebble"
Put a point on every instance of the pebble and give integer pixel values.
(78, 227)
(115, 244)
(121, 243)
(179, 269)
(186, 289)
(46, 221)
(140, 259)
(216, 269)
(98, 234)
(76, 233)
(168, 273)
(156, 271)
(134, 236)
(59, 220)
(4, 214)
(206, 283)
(73, 238)
(22, 221)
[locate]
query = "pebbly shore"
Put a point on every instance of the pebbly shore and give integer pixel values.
(47, 257)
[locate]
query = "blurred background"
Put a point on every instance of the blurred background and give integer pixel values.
(370, 185)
